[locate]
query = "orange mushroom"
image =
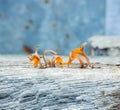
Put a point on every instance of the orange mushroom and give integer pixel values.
(51, 62)
(59, 61)
(75, 55)
(55, 60)
(35, 58)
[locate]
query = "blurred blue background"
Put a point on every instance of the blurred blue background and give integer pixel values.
(61, 25)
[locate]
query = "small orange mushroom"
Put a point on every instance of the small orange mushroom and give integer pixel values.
(55, 60)
(35, 58)
(59, 61)
(51, 62)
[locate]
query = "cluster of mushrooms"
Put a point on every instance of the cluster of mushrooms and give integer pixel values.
(57, 60)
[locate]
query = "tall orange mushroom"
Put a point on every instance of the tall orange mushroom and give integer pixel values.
(75, 55)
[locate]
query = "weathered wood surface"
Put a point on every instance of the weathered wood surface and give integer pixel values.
(23, 87)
